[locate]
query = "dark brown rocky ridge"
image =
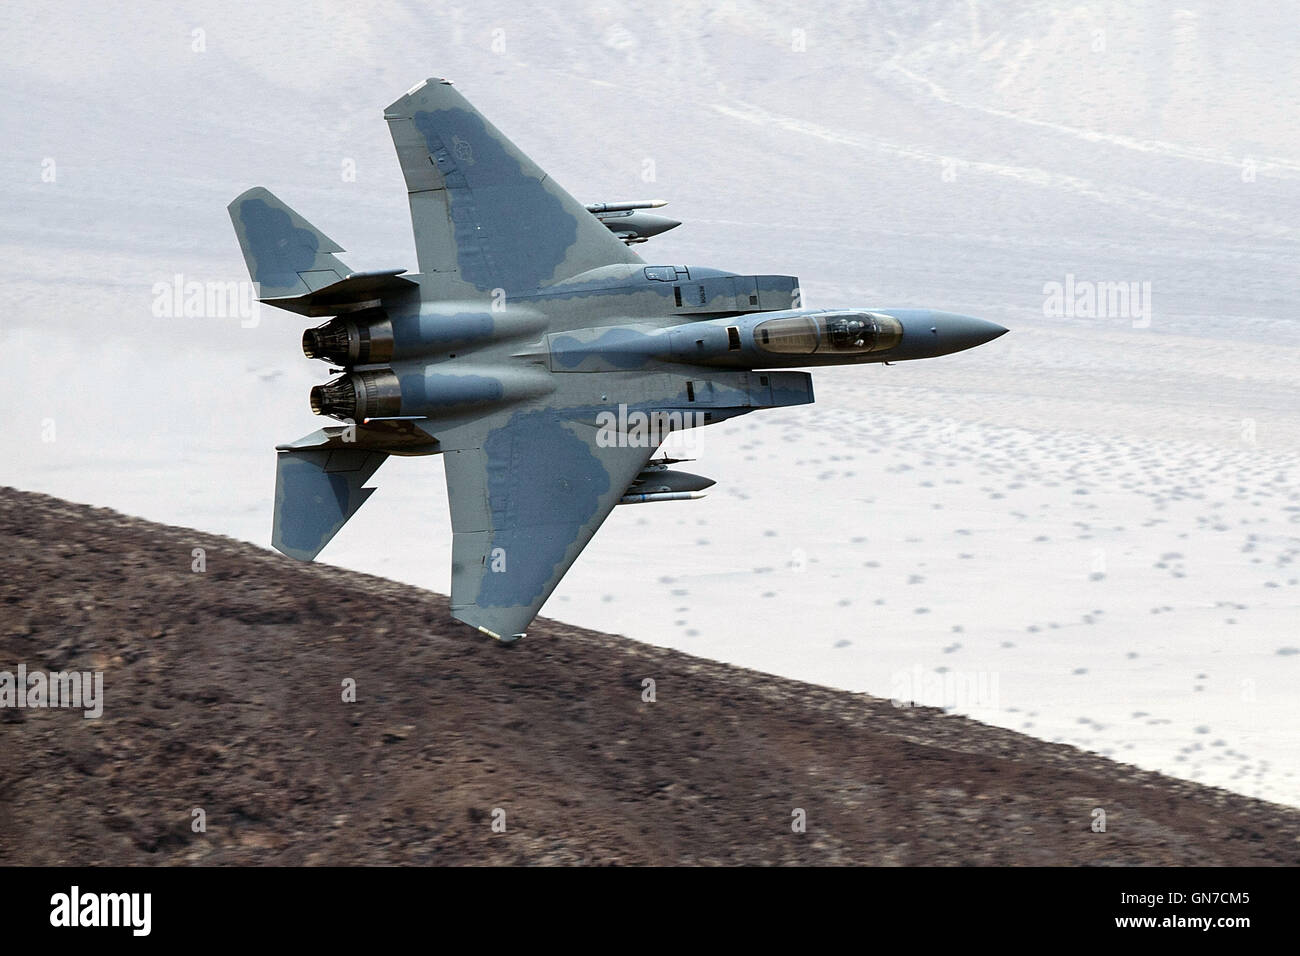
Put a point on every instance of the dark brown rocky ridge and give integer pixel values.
(223, 692)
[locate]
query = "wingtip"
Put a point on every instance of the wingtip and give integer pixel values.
(254, 192)
(396, 109)
(429, 81)
(500, 638)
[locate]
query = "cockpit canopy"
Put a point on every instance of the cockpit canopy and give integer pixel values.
(842, 333)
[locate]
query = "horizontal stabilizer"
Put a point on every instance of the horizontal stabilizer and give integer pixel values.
(357, 291)
(316, 492)
(394, 436)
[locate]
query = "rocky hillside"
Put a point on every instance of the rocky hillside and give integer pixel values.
(223, 692)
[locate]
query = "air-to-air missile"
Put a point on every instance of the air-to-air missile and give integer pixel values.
(624, 221)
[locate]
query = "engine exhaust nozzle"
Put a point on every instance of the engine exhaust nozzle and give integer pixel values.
(359, 396)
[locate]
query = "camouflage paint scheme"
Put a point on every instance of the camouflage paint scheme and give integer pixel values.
(529, 326)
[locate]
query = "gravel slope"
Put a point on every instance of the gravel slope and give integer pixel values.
(223, 692)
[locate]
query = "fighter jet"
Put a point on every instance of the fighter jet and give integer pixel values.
(536, 352)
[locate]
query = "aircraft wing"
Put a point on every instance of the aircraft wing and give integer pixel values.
(485, 216)
(528, 489)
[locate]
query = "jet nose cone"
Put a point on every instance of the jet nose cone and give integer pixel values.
(928, 333)
(956, 333)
